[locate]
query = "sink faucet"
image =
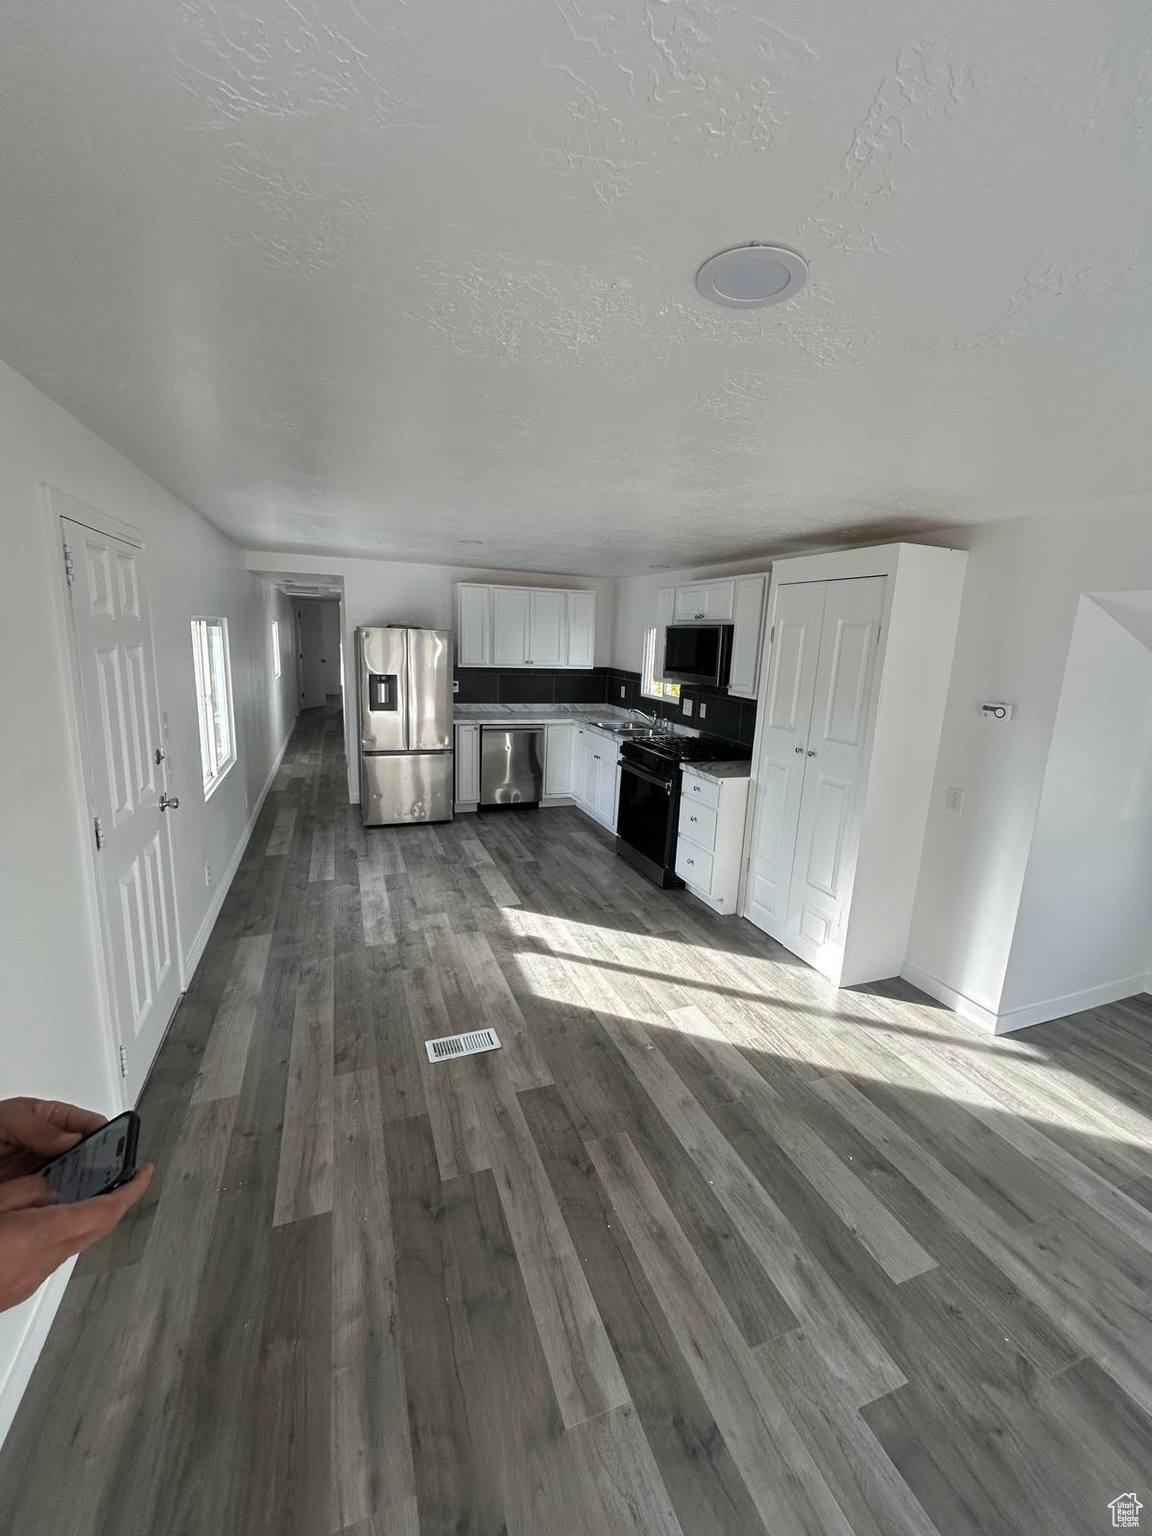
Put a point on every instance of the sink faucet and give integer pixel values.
(654, 720)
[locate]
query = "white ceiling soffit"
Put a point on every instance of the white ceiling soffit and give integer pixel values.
(376, 278)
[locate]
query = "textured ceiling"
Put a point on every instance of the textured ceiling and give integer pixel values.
(373, 276)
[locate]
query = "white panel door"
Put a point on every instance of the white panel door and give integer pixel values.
(473, 625)
(828, 828)
(468, 764)
(690, 603)
(719, 601)
(584, 770)
(607, 784)
(744, 671)
(509, 626)
(581, 629)
(117, 678)
(558, 744)
(547, 627)
(779, 768)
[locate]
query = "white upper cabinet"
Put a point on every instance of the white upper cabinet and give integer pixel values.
(581, 650)
(524, 626)
(547, 628)
(748, 618)
(510, 626)
(473, 625)
(710, 602)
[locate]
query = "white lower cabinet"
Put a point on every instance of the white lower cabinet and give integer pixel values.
(596, 782)
(559, 742)
(710, 836)
(467, 767)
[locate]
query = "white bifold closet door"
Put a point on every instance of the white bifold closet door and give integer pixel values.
(812, 760)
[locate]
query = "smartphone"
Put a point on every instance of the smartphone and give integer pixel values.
(100, 1162)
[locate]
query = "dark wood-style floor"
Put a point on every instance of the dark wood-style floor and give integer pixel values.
(707, 1248)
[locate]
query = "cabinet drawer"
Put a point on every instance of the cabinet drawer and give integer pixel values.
(698, 822)
(699, 791)
(693, 864)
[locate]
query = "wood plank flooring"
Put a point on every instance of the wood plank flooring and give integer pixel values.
(708, 1249)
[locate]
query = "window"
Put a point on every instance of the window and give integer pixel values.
(214, 695)
(275, 648)
(651, 686)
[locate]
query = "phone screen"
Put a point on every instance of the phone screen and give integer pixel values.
(96, 1164)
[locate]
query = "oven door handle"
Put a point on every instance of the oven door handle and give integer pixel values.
(649, 778)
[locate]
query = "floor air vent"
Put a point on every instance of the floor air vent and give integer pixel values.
(449, 1047)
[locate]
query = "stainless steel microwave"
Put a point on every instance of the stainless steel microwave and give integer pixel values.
(698, 653)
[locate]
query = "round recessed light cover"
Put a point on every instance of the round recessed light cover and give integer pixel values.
(750, 276)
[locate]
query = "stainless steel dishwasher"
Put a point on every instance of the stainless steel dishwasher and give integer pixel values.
(511, 764)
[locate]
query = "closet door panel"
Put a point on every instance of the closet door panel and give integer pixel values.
(780, 760)
(828, 831)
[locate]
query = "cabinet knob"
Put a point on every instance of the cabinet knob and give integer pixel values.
(692, 818)
(690, 861)
(811, 754)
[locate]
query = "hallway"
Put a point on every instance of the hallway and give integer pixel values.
(707, 1247)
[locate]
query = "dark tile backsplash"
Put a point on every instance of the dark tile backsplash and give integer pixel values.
(730, 719)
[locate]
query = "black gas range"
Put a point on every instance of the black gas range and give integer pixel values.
(649, 809)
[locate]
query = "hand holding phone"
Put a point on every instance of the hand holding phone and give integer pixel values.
(46, 1211)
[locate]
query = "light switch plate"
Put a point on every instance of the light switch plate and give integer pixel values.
(703, 710)
(955, 800)
(686, 706)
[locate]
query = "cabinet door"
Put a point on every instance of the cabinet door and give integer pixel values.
(607, 779)
(581, 651)
(665, 615)
(719, 601)
(510, 626)
(744, 672)
(828, 830)
(786, 717)
(547, 625)
(473, 625)
(689, 604)
(467, 764)
(558, 743)
(583, 768)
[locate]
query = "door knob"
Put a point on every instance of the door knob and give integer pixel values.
(811, 754)
(169, 802)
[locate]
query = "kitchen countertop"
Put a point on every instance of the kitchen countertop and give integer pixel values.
(537, 714)
(738, 769)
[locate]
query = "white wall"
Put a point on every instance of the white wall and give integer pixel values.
(391, 592)
(51, 1041)
(1085, 919)
(635, 604)
(1023, 590)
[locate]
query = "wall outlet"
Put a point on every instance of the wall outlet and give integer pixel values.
(955, 799)
(623, 691)
(208, 875)
(455, 685)
(686, 706)
(703, 709)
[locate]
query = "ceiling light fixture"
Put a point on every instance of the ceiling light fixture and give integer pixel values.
(750, 276)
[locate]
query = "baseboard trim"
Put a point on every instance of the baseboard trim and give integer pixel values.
(1012, 1019)
(967, 1007)
(200, 943)
(42, 1311)
(1072, 1002)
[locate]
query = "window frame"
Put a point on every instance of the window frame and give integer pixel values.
(277, 668)
(651, 686)
(215, 769)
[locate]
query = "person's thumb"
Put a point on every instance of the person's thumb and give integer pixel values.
(25, 1194)
(26, 1128)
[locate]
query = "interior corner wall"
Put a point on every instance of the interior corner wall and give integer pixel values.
(52, 1040)
(1022, 593)
(396, 592)
(1084, 927)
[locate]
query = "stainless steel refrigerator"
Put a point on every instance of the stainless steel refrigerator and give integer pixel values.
(405, 725)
